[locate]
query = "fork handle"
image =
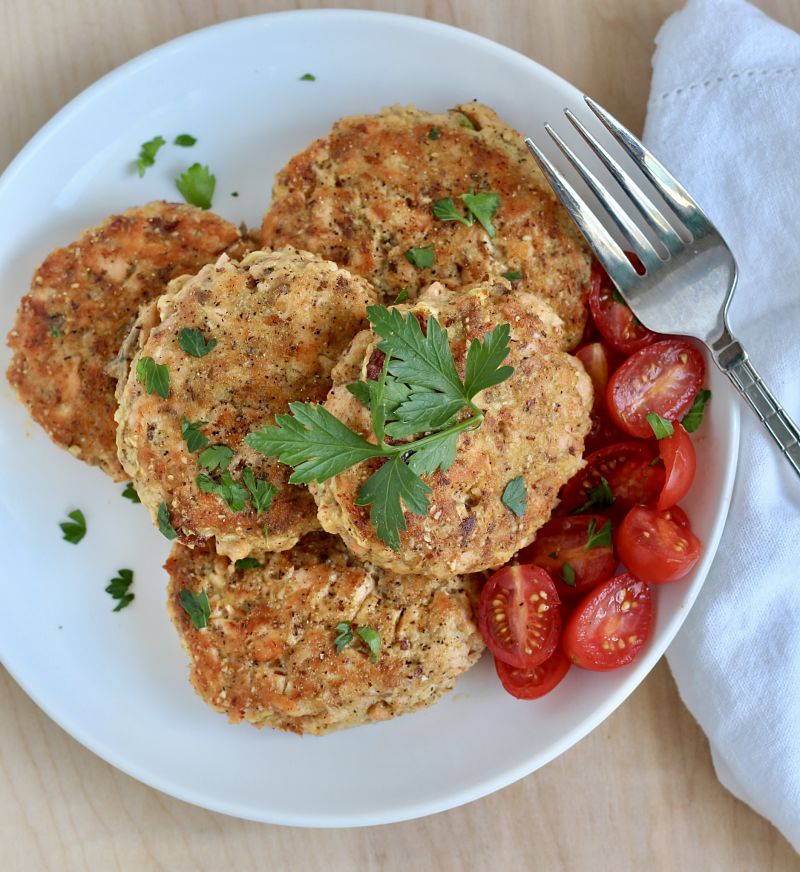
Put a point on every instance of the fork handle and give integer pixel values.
(735, 363)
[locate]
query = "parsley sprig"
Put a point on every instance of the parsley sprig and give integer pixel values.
(419, 397)
(118, 589)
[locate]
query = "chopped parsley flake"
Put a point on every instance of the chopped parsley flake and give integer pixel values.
(165, 523)
(247, 563)
(661, 427)
(196, 607)
(262, 491)
(515, 497)
(466, 122)
(233, 493)
(599, 497)
(598, 538)
(433, 133)
(372, 639)
(483, 207)
(694, 417)
(445, 210)
(129, 492)
(422, 258)
(147, 154)
(513, 275)
(55, 330)
(154, 376)
(75, 529)
(308, 77)
(196, 186)
(402, 296)
(194, 438)
(216, 457)
(192, 341)
(118, 589)
(185, 140)
(568, 574)
(345, 636)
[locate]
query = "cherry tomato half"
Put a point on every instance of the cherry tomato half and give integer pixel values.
(663, 378)
(658, 546)
(615, 321)
(628, 469)
(536, 682)
(560, 547)
(610, 625)
(518, 615)
(680, 463)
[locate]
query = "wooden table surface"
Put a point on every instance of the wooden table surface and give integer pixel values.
(638, 793)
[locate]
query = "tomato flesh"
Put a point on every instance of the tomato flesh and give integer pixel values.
(658, 545)
(663, 378)
(680, 463)
(518, 615)
(536, 682)
(614, 320)
(560, 548)
(629, 470)
(610, 625)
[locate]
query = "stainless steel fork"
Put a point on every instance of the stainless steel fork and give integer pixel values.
(686, 288)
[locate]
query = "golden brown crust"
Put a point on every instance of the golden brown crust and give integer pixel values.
(268, 654)
(364, 194)
(534, 426)
(280, 320)
(82, 303)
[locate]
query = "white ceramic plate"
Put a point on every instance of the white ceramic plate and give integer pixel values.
(117, 682)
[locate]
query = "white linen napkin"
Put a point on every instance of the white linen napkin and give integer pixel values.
(724, 117)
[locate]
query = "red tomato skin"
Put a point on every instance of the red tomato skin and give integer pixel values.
(516, 585)
(680, 462)
(565, 536)
(534, 683)
(628, 385)
(614, 320)
(646, 542)
(633, 481)
(583, 639)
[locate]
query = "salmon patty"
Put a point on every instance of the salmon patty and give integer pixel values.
(364, 196)
(81, 305)
(268, 331)
(269, 656)
(534, 426)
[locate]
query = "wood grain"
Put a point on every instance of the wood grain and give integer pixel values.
(638, 793)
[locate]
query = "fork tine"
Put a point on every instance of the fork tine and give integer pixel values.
(661, 227)
(664, 182)
(636, 239)
(606, 250)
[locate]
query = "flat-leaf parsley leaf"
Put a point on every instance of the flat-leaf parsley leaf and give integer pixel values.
(196, 186)
(165, 523)
(192, 434)
(154, 376)
(694, 417)
(372, 639)
(483, 207)
(192, 341)
(419, 394)
(247, 563)
(308, 77)
(661, 427)
(445, 210)
(422, 258)
(262, 491)
(118, 588)
(515, 496)
(185, 140)
(345, 636)
(75, 529)
(233, 493)
(147, 154)
(598, 538)
(216, 457)
(129, 493)
(196, 607)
